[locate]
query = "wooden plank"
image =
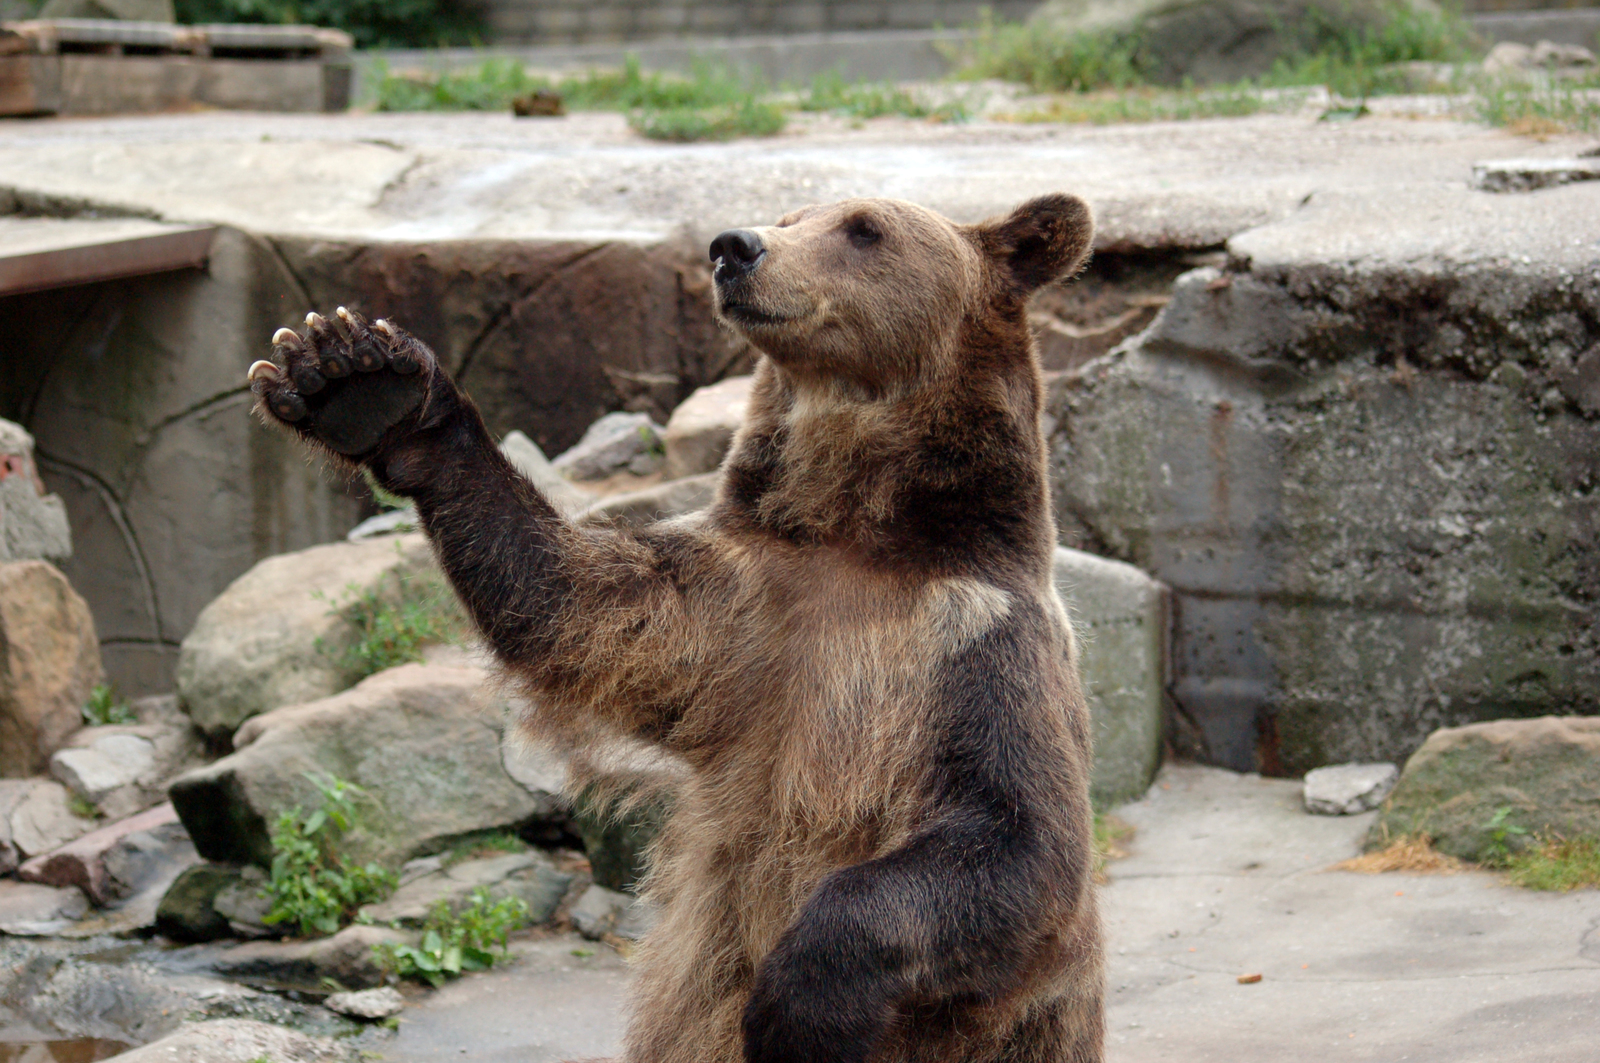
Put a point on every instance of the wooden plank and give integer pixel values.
(39, 253)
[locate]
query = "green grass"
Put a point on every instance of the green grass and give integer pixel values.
(830, 93)
(104, 707)
(311, 886)
(454, 942)
(1556, 864)
(1540, 106)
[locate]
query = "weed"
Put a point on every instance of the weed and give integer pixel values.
(830, 93)
(453, 942)
(749, 118)
(1502, 841)
(1109, 831)
(1155, 105)
(1556, 863)
(1048, 60)
(391, 629)
(82, 807)
(487, 843)
(311, 886)
(104, 707)
(1540, 106)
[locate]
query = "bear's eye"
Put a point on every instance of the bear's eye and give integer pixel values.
(862, 232)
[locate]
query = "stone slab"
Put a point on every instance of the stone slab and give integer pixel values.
(38, 253)
(83, 862)
(28, 909)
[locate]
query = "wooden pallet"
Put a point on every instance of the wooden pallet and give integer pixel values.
(94, 66)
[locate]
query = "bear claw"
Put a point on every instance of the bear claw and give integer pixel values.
(287, 337)
(261, 369)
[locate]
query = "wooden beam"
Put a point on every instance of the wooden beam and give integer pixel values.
(39, 253)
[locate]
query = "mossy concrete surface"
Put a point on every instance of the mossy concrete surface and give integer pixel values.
(1365, 454)
(1490, 789)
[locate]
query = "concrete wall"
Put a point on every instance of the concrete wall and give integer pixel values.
(134, 392)
(574, 21)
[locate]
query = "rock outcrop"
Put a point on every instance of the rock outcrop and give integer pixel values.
(38, 815)
(276, 637)
(33, 522)
(701, 429)
(1365, 455)
(422, 741)
(1488, 788)
(617, 442)
(122, 769)
(49, 662)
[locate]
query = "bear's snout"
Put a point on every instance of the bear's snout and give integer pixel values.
(736, 253)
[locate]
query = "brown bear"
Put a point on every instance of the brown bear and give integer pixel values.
(881, 849)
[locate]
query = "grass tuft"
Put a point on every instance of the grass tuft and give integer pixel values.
(104, 707)
(1414, 854)
(1556, 863)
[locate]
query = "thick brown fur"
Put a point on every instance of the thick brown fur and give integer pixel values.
(880, 844)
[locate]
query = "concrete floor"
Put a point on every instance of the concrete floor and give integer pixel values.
(1226, 876)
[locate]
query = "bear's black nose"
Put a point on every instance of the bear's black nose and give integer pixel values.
(738, 250)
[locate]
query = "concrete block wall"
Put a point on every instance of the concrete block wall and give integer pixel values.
(577, 21)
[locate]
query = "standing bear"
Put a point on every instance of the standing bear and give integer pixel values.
(881, 848)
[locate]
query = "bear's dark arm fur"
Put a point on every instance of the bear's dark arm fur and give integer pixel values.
(951, 915)
(584, 615)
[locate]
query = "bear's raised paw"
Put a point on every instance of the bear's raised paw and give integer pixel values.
(344, 388)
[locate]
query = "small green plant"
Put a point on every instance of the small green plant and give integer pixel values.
(1497, 851)
(104, 707)
(82, 807)
(1556, 863)
(453, 942)
(830, 93)
(311, 885)
(746, 118)
(390, 632)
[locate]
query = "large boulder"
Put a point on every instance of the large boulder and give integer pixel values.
(423, 742)
(40, 815)
(33, 522)
(1217, 40)
(277, 637)
(1360, 456)
(1485, 789)
(49, 662)
(701, 429)
(1120, 617)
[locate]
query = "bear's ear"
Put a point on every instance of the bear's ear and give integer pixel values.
(1040, 240)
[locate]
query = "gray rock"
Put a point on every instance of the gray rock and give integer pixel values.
(245, 904)
(117, 860)
(537, 768)
(42, 817)
(348, 958)
(661, 502)
(123, 769)
(51, 663)
(186, 913)
(602, 911)
(33, 523)
(1347, 789)
(1485, 789)
(238, 1041)
(529, 876)
(1514, 58)
(1530, 175)
(29, 910)
(1368, 533)
(439, 774)
(701, 429)
(367, 1003)
(531, 462)
(394, 522)
(617, 442)
(1214, 40)
(274, 637)
(1120, 617)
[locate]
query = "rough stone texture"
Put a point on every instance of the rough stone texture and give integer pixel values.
(346, 957)
(122, 769)
(1363, 458)
(601, 912)
(49, 661)
(238, 1041)
(671, 499)
(135, 392)
(1545, 772)
(701, 429)
(536, 768)
(41, 816)
(617, 442)
(422, 740)
(29, 910)
(33, 522)
(1121, 619)
(547, 336)
(245, 904)
(1530, 175)
(1214, 40)
(273, 638)
(1348, 789)
(529, 876)
(90, 862)
(367, 1003)
(185, 913)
